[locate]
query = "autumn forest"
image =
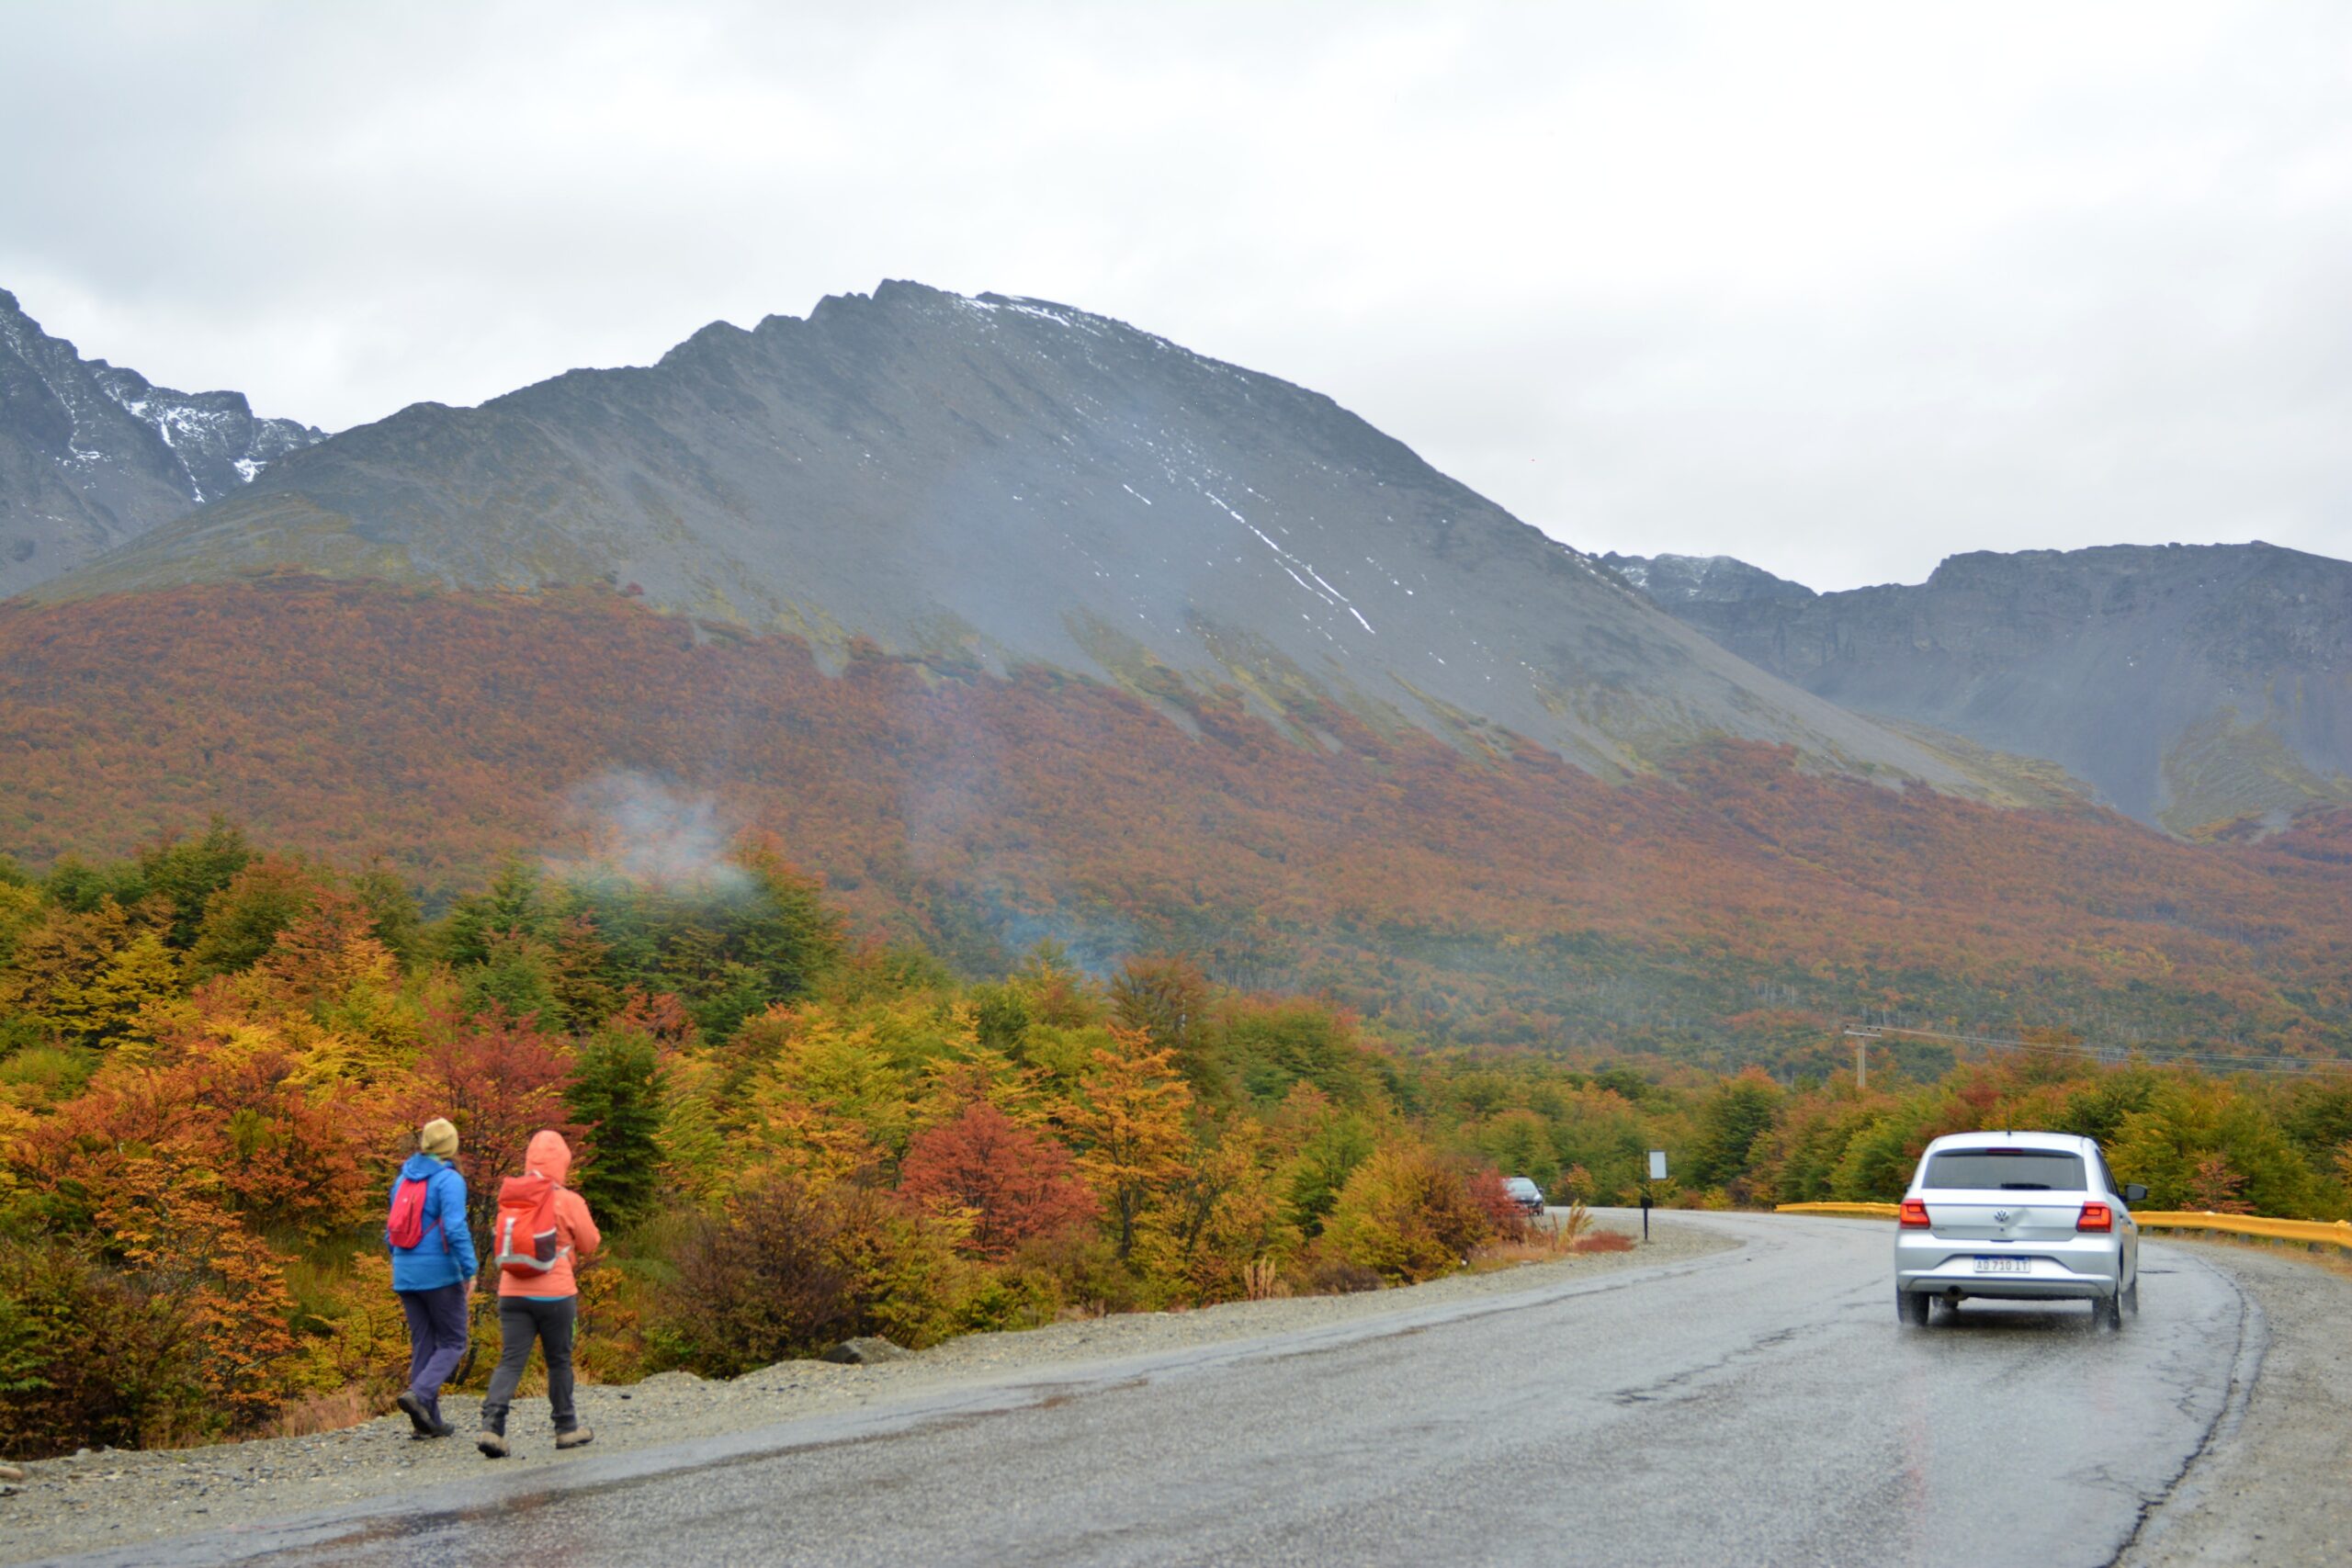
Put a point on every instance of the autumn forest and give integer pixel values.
(912, 1000)
(1473, 894)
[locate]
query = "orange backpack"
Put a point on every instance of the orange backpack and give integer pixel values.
(523, 1241)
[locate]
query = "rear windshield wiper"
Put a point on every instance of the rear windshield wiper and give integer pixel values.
(2025, 1186)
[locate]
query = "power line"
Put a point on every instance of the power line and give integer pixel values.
(2291, 1067)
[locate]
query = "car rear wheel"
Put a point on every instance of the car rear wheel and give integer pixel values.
(1911, 1308)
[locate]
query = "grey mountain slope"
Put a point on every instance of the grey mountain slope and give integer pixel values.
(1003, 482)
(92, 454)
(2190, 686)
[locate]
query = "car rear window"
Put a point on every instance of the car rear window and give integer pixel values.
(2023, 1170)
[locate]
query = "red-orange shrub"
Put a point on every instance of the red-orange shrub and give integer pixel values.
(286, 1157)
(1014, 1183)
(500, 1080)
(1508, 1220)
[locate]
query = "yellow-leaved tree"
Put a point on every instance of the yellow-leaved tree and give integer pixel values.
(105, 1009)
(1130, 1119)
(72, 974)
(828, 1102)
(1222, 1214)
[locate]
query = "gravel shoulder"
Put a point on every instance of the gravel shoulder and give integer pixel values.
(111, 1500)
(2268, 1488)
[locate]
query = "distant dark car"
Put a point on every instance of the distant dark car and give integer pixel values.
(1525, 1193)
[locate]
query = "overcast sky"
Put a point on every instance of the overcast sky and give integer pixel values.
(1837, 289)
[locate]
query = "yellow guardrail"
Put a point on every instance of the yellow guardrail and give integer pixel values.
(2317, 1233)
(2314, 1233)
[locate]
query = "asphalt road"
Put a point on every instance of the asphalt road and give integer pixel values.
(1753, 1406)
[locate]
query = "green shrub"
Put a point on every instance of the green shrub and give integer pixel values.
(89, 1356)
(1407, 1215)
(616, 1095)
(755, 1284)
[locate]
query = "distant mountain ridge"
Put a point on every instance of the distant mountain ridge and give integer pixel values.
(2194, 687)
(93, 455)
(1018, 623)
(995, 484)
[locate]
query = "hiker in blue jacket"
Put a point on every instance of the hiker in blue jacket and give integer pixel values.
(433, 1273)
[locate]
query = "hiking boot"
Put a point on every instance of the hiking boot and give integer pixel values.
(440, 1429)
(420, 1418)
(574, 1437)
(491, 1444)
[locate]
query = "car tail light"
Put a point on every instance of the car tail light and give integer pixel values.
(2096, 1217)
(1914, 1214)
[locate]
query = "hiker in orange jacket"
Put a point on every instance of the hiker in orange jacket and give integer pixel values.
(542, 1226)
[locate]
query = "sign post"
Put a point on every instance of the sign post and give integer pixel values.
(1657, 1173)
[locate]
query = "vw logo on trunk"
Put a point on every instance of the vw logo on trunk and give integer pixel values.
(2000, 1216)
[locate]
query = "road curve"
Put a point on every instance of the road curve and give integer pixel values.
(1758, 1406)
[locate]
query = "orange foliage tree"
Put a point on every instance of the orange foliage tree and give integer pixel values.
(1014, 1184)
(230, 1285)
(499, 1080)
(1130, 1121)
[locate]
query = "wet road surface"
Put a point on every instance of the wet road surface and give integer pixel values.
(1753, 1406)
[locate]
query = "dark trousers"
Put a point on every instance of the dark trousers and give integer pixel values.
(436, 1339)
(520, 1320)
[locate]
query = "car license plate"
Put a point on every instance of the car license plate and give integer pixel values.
(2005, 1265)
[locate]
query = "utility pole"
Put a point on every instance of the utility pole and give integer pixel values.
(1861, 1039)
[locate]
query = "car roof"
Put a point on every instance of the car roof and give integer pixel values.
(2011, 1138)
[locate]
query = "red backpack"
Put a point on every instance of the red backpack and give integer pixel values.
(523, 1240)
(405, 1228)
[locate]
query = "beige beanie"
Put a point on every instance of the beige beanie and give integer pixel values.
(438, 1138)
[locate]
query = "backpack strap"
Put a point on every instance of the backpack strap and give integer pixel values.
(440, 1200)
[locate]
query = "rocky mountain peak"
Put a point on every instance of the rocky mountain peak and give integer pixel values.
(2194, 687)
(93, 454)
(1673, 580)
(994, 482)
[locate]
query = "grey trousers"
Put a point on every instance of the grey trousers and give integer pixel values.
(522, 1320)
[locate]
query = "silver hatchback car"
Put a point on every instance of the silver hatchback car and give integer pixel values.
(2025, 1216)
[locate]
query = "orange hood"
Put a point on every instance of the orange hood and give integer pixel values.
(549, 1156)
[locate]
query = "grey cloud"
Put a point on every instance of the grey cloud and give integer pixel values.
(1840, 289)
